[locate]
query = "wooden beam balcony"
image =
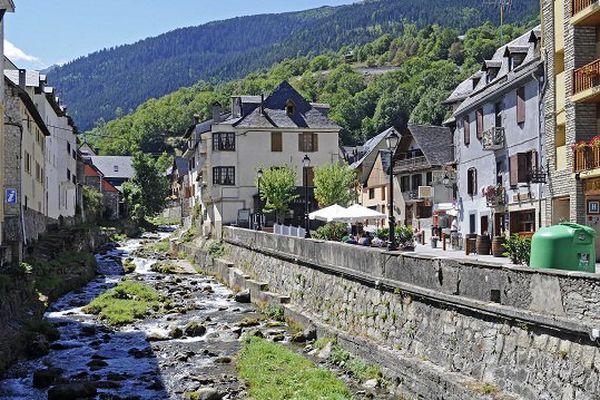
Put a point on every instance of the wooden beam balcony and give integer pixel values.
(585, 12)
(586, 83)
(410, 164)
(586, 158)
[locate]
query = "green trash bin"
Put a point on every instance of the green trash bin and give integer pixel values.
(565, 246)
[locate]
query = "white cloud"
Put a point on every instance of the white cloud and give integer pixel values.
(16, 54)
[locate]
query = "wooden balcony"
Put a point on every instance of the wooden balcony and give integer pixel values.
(411, 164)
(493, 138)
(586, 83)
(586, 158)
(585, 12)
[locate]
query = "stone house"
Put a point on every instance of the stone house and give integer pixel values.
(571, 110)
(259, 134)
(5, 6)
(115, 169)
(422, 165)
(498, 141)
(112, 199)
(24, 168)
(61, 152)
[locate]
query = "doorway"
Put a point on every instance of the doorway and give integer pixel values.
(485, 225)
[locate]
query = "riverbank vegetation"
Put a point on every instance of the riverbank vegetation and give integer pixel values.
(274, 372)
(125, 303)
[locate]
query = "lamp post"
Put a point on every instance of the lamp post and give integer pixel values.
(259, 176)
(392, 140)
(306, 165)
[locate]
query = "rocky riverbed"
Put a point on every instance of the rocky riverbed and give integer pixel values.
(190, 348)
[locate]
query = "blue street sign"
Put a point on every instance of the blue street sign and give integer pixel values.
(11, 196)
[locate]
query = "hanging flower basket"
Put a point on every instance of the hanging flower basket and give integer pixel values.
(579, 146)
(590, 71)
(595, 142)
(494, 195)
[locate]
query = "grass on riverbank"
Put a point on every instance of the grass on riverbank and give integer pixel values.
(274, 372)
(125, 303)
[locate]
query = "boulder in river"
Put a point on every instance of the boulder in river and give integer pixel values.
(205, 394)
(243, 296)
(72, 391)
(43, 378)
(38, 346)
(194, 329)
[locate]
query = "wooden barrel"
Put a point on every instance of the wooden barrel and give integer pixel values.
(498, 246)
(483, 245)
(470, 243)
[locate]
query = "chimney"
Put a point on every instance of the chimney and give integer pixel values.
(196, 119)
(22, 78)
(216, 113)
(262, 104)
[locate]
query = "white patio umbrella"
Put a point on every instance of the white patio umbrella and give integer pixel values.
(357, 213)
(329, 214)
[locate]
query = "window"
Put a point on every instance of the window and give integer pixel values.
(467, 130)
(383, 193)
(498, 115)
(479, 127)
(424, 211)
(308, 176)
(520, 105)
(26, 202)
(38, 172)
(224, 176)
(224, 141)
(27, 163)
(192, 164)
(68, 147)
(429, 179)
(276, 141)
(116, 168)
(521, 165)
(68, 174)
(371, 194)
(471, 182)
(499, 170)
(414, 153)
(417, 180)
(290, 108)
(308, 142)
(405, 183)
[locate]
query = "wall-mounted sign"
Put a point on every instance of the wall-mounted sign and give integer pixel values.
(590, 185)
(518, 198)
(11, 196)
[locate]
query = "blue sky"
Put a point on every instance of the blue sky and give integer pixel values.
(45, 32)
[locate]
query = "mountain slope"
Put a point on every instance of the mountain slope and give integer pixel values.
(96, 85)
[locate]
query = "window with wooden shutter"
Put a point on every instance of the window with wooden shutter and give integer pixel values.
(308, 142)
(276, 141)
(471, 181)
(479, 115)
(467, 130)
(523, 162)
(520, 105)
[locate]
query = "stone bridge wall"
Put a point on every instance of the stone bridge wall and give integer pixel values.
(526, 332)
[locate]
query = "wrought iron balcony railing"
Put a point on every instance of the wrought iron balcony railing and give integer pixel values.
(493, 138)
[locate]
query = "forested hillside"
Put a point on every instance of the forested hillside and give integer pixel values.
(430, 63)
(119, 79)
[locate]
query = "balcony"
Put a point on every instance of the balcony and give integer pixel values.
(586, 83)
(411, 164)
(493, 139)
(495, 196)
(586, 158)
(585, 13)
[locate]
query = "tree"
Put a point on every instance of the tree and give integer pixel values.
(92, 202)
(277, 187)
(146, 194)
(334, 184)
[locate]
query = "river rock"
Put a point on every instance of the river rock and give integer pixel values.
(88, 330)
(243, 296)
(43, 378)
(72, 391)
(194, 329)
(370, 384)
(38, 346)
(176, 332)
(325, 352)
(206, 394)
(223, 360)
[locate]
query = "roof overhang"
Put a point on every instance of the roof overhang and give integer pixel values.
(7, 5)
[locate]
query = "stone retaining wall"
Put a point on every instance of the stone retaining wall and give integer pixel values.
(521, 331)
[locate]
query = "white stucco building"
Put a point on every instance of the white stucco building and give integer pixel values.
(498, 142)
(258, 134)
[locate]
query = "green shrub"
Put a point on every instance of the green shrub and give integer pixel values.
(216, 249)
(383, 233)
(275, 311)
(332, 231)
(405, 235)
(518, 249)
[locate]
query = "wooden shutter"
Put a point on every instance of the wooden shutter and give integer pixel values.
(534, 159)
(470, 181)
(479, 114)
(315, 142)
(276, 141)
(523, 172)
(301, 142)
(467, 130)
(514, 170)
(520, 105)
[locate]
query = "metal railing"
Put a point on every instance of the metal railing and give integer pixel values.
(580, 5)
(292, 231)
(493, 138)
(586, 77)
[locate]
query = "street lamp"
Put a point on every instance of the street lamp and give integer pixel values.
(259, 176)
(392, 140)
(306, 164)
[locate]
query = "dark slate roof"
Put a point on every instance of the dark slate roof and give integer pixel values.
(435, 142)
(106, 164)
(181, 165)
(275, 115)
(369, 146)
(385, 160)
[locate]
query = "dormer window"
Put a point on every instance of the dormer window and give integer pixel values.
(116, 168)
(290, 108)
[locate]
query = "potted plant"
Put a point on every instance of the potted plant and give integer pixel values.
(579, 146)
(595, 142)
(494, 195)
(406, 238)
